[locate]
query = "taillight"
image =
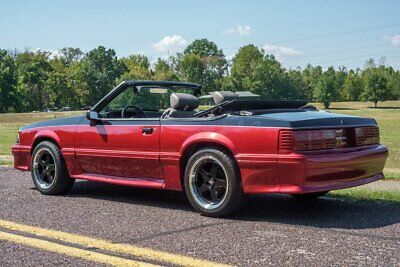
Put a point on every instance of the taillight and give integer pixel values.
(316, 139)
(367, 135)
(307, 140)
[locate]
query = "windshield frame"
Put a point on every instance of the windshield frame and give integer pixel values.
(136, 85)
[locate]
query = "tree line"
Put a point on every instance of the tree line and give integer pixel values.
(37, 80)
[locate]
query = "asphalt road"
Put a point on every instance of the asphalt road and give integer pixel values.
(272, 230)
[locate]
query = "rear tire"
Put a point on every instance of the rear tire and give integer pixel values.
(310, 196)
(212, 183)
(49, 171)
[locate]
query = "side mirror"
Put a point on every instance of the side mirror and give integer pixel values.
(92, 115)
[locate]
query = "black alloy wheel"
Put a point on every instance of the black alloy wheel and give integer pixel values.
(212, 182)
(208, 182)
(44, 168)
(49, 171)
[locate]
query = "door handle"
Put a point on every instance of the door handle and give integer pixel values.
(147, 130)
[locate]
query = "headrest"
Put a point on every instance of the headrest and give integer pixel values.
(222, 96)
(184, 102)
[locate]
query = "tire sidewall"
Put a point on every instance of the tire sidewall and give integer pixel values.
(232, 175)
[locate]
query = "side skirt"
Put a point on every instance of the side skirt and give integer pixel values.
(137, 182)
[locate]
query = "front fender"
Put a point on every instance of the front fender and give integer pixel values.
(46, 134)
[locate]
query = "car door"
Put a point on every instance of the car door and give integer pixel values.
(119, 147)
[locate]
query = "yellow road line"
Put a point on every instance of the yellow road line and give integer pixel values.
(144, 253)
(70, 251)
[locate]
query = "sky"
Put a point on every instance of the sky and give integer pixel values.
(337, 33)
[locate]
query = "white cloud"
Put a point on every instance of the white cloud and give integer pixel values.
(229, 57)
(280, 52)
(170, 43)
(241, 30)
(395, 39)
(53, 54)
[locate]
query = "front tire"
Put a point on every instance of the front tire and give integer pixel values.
(48, 169)
(212, 183)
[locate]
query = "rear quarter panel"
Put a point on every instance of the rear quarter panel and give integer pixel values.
(253, 147)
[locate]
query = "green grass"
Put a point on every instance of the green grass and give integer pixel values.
(387, 115)
(11, 122)
(365, 194)
(5, 162)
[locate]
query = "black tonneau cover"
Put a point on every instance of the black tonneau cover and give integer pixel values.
(238, 105)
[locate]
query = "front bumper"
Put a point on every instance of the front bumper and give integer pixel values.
(22, 157)
(330, 170)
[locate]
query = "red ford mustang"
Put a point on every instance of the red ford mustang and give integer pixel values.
(149, 134)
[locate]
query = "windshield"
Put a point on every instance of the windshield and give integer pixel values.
(152, 100)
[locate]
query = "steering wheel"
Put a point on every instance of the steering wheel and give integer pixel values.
(139, 113)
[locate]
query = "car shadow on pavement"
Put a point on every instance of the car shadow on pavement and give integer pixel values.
(133, 195)
(326, 212)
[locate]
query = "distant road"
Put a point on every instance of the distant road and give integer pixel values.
(273, 230)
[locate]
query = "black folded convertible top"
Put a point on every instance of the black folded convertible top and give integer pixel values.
(237, 104)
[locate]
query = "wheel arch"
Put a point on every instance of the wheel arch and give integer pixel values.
(45, 136)
(199, 141)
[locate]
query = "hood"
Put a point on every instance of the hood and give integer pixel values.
(56, 122)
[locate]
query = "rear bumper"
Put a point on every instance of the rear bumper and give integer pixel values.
(316, 172)
(313, 172)
(22, 157)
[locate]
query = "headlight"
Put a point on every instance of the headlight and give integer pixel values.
(17, 139)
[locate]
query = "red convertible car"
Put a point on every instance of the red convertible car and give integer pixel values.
(150, 134)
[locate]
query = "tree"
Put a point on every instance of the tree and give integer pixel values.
(340, 77)
(204, 63)
(352, 86)
(259, 73)
(191, 68)
(8, 82)
(297, 85)
(376, 86)
(98, 72)
(311, 76)
(137, 68)
(276, 82)
(333, 85)
(36, 80)
(163, 71)
(393, 82)
(322, 93)
(60, 84)
(68, 55)
(33, 69)
(204, 48)
(246, 72)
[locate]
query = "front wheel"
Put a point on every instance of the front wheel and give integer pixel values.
(212, 183)
(49, 172)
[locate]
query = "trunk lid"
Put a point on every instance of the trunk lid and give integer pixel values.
(317, 119)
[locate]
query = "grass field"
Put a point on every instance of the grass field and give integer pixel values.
(387, 115)
(366, 194)
(11, 122)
